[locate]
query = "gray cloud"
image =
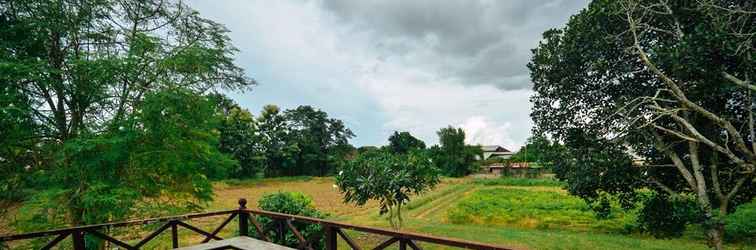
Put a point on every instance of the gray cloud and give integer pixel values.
(471, 42)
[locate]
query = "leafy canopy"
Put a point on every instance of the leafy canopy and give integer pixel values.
(103, 103)
(388, 178)
(453, 156)
(403, 142)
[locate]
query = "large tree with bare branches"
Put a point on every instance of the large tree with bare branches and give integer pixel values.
(670, 80)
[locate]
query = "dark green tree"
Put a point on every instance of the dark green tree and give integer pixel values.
(403, 142)
(539, 150)
(321, 141)
(278, 146)
(95, 87)
(669, 82)
(453, 157)
(240, 138)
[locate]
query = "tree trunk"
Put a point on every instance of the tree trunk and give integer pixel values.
(715, 234)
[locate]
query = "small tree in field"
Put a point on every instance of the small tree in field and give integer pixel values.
(388, 178)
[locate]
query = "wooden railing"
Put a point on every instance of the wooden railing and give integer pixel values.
(331, 231)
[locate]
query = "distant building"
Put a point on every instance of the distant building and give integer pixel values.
(496, 168)
(495, 151)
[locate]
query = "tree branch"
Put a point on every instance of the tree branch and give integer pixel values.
(746, 84)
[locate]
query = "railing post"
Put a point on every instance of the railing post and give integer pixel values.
(402, 244)
(174, 234)
(281, 231)
(331, 243)
(243, 218)
(78, 240)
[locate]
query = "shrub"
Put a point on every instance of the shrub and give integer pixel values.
(666, 217)
(741, 225)
(295, 203)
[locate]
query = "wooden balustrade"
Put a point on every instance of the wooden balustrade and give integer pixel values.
(332, 230)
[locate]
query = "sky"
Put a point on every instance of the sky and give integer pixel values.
(393, 65)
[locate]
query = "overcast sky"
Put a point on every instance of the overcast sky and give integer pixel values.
(391, 65)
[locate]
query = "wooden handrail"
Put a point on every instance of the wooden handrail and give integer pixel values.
(331, 229)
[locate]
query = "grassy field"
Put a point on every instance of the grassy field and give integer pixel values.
(521, 214)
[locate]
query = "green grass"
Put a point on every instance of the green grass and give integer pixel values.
(528, 209)
(556, 239)
(425, 199)
(524, 182)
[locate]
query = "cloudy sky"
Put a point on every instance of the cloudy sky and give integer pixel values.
(391, 65)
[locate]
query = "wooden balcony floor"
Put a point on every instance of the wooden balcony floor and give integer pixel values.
(238, 243)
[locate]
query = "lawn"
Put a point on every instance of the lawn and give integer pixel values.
(522, 214)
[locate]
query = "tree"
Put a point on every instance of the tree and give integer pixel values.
(668, 80)
(388, 178)
(97, 84)
(453, 156)
(276, 142)
(403, 142)
(321, 141)
(240, 138)
(166, 149)
(539, 150)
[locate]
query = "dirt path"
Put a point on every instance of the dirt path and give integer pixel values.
(444, 201)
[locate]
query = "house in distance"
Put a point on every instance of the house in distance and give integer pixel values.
(495, 151)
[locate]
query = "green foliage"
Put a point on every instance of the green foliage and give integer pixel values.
(453, 157)
(322, 142)
(741, 225)
(240, 138)
(295, 203)
(388, 178)
(302, 141)
(102, 104)
(590, 87)
(539, 150)
(664, 216)
(403, 142)
(276, 142)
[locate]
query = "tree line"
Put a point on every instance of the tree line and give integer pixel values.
(299, 141)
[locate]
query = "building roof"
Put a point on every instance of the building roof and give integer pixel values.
(494, 148)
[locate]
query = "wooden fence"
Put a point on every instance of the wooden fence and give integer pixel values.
(245, 217)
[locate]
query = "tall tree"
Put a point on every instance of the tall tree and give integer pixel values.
(99, 82)
(240, 137)
(278, 147)
(403, 142)
(669, 79)
(453, 156)
(321, 140)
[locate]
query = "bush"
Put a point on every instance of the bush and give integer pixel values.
(666, 217)
(741, 225)
(295, 203)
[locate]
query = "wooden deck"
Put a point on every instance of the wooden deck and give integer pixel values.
(240, 243)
